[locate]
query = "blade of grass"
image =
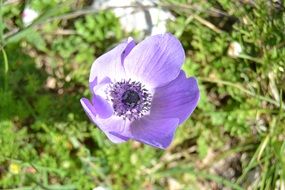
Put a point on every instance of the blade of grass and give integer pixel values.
(199, 174)
(253, 163)
(227, 83)
(40, 20)
(29, 108)
(264, 179)
(263, 146)
(1, 23)
(6, 68)
(256, 60)
(61, 187)
(277, 174)
(223, 155)
(180, 31)
(51, 187)
(35, 166)
(22, 188)
(282, 152)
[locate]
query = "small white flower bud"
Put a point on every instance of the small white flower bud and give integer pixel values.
(235, 49)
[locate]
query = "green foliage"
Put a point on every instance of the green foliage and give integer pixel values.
(47, 142)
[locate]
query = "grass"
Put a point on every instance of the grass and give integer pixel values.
(235, 139)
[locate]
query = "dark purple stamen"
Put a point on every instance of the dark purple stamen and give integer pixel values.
(130, 99)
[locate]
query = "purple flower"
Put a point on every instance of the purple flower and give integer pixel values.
(140, 92)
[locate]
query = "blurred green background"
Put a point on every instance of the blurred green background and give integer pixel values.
(235, 139)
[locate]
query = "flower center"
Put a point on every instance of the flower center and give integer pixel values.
(130, 99)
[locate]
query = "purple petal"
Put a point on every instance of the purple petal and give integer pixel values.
(100, 89)
(178, 99)
(104, 124)
(116, 139)
(88, 108)
(155, 132)
(110, 64)
(128, 49)
(114, 125)
(93, 84)
(156, 61)
(102, 108)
